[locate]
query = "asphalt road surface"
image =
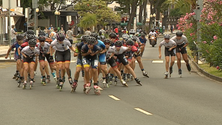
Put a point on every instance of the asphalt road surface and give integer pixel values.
(190, 100)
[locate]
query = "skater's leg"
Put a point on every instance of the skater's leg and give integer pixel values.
(178, 60)
(31, 69)
(172, 61)
(25, 67)
(167, 63)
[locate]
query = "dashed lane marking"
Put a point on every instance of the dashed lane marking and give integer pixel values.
(157, 61)
(73, 61)
(113, 97)
(143, 111)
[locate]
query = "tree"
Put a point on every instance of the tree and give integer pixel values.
(98, 8)
(89, 20)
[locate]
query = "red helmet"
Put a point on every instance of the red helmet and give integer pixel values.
(136, 44)
(134, 49)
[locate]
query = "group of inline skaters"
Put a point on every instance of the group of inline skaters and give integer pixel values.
(114, 58)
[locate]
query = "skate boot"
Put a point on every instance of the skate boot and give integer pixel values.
(20, 81)
(166, 75)
(54, 76)
(96, 90)
(188, 67)
(145, 74)
(31, 84)
(138, 81)
(74, 85)
(48, 79)
(115, 81)
(57, 84)
(107, 79)
(70, 80)
(128, 77)
(180, 73)
(61, 85)
(15, 75)
(110, 79)
(87, 88)
(104, 82)
(171, 71)
(124, 83)
(43, 81)
(24, 85)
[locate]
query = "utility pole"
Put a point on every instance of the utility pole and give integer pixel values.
(197, 11)
(9, 27)
(34, 6)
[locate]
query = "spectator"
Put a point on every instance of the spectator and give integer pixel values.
(163, 29)
(171, 28)
(62, 31)
(25, 25)
(70, 35)
(53, 34)
(88, 32)
(102, 31)
(13, 36)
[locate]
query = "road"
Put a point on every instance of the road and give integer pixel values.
(191, 100)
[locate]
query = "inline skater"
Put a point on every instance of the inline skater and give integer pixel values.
(143, 40)
(102, 59)
(63, 58)
(181, 42)
(79, 64)
(19, 39)
(90, 62)
(111, 61)
(29, 54)
(137, 55)
(170, 46)
(119, 52)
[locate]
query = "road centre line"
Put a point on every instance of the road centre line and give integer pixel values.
(143, 111)
(113, 97)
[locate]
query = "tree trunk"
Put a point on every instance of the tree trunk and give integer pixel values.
(132, 14)
(144, 12)
(141, 13)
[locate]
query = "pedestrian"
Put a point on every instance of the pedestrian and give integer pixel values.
(13, 36)
(164, 29)
(102, 31)
(53, 34)
(171, 28)
(25, 25)
(70, 35)
(88, 32)
(170, 46)
(62, 31)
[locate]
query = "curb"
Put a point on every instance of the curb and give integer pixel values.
(203, 72)
(7, 60)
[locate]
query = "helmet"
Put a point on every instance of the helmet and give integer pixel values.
(85, 38)
(30, 32)
(30, 36)
(152, 30)
(41, 33)
(129, 42)
(134, 49)
(42, 38)
(100, 33)
(102, 37)
(107, 41)
(125, 36)
(60, 36)
(166, 36)
(118, 44)
(179, 33)
(142, 34)
(95, 35)
(91, 40)
(112, 35)
(134, 38)
(19, 37)
(98, 37)
(32, 42)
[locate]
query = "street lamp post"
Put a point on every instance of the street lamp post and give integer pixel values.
(56, 14)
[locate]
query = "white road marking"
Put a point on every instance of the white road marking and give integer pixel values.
(73, 61)
(157, 61)
(113, 97)
(143, 111)
(182, 61)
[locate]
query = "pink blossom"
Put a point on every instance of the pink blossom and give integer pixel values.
(191, 24)
(218, 67)
(204, 42)
(215, 37)
(212, 41)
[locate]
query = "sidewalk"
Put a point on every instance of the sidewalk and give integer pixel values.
(3, 52)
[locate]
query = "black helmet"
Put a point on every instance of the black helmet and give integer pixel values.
(30, 32)
(118, 44)
(30, 36)
(142, 34)
(179, 33)
(125, 36)
(41, 33)
(100, 33)
(85, 38)
(107, 41)
(99, 37)
(134, 38)
(112, 35)
(60, 36)
(102, 37)
(166, 36)
(42, 38)
(152, 30)
(19, 37)
(91, 40)
(95, 35)
(32, 42)
(129, 42)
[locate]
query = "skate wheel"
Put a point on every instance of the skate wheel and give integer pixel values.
(125, 85)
